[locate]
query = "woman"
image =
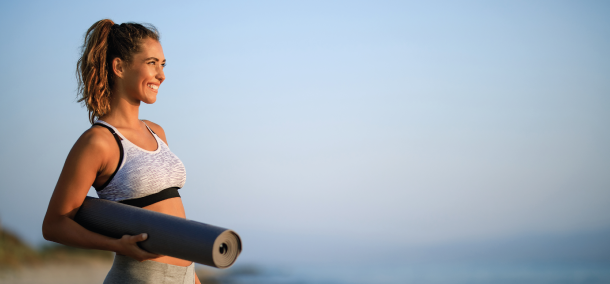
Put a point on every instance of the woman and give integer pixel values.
(126, 159)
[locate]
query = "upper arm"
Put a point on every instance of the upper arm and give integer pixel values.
(157, 129)
(86, 159)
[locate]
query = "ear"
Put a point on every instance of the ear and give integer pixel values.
(118, 67)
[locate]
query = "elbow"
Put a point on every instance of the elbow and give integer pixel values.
(48, 232)
(46, 236)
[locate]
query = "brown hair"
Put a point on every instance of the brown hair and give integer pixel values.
(105, 41)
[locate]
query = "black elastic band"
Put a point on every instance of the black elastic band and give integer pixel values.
(153, 198)
(118, 141)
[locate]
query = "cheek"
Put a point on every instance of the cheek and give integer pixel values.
(146, 75)
(133, 78)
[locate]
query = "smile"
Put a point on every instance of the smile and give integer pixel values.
(154, 87)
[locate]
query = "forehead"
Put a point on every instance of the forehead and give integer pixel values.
(150, 48)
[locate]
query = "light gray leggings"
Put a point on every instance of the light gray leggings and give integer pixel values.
(128, 270)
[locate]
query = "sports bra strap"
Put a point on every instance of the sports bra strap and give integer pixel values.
(149, 128)
(121, 154)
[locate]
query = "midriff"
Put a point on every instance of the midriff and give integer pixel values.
(174, 207)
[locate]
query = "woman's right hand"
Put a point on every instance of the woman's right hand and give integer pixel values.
(128, 246)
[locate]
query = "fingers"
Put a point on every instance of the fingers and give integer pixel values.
(134, 251)
(140, 237)
(136, 238)
(147, 255)
(143, 255)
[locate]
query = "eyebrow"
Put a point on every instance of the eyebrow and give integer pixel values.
(156, 59)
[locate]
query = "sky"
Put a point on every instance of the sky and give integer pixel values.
(319, 124)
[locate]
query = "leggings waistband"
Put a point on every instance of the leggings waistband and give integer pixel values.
(127, 270)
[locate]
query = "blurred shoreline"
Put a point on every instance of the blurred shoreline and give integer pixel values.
(59, 264)
(54, 264)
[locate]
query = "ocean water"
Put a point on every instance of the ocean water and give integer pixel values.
(430, 273)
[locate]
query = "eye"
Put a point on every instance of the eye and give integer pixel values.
(164, 64)
(152, 63)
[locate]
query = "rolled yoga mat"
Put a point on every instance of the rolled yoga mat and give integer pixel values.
(167, 235)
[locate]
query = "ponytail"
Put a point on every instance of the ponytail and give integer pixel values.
(105, 41)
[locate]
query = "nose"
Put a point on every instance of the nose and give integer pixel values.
(160, 75)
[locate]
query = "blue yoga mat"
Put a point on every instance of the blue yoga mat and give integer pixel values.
(167, 235)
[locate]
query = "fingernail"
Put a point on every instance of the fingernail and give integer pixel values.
(145, 236)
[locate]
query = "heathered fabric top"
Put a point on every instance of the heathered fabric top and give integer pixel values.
(143, 172)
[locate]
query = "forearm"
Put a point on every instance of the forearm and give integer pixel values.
(64, 230)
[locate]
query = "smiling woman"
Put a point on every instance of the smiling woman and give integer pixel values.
(143, 76)
(107, 44)
(120, 67)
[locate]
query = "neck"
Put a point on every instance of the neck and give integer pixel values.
(123, 113)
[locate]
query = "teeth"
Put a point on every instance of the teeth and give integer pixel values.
(154, 87)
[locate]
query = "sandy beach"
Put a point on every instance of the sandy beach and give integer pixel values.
(84, 271)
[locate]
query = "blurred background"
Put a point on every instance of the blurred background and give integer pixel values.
(345, 141)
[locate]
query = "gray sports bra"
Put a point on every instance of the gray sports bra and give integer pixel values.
(142, 177)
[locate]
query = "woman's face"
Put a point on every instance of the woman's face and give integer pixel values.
(142, 78)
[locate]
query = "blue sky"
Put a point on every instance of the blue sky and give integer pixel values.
(339, 121)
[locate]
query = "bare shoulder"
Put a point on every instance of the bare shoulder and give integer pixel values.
(96, 138)
(157, 129)
(88, 157)
(95, 145)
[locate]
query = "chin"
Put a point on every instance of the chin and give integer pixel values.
(150, 101)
